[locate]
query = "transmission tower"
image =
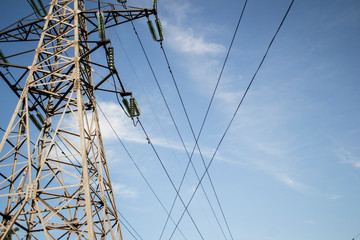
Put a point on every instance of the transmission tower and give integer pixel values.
(54, 177)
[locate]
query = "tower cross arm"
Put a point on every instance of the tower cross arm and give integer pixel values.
(23, 30)
(31, 29)
(115, 17)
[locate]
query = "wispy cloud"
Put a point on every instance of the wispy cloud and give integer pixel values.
(267, 148)
(127, 132)
(336, 197)
(273, 158)
(124, 128)
(178, 11)
(202, 54)
(119, 122)
(186, 40)
(183, 37)
(280, 164)
(282, 173)
(124, 191)
(347, 157)
(310, 221)
(229, 96)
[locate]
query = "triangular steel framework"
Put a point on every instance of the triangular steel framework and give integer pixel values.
(54, 180)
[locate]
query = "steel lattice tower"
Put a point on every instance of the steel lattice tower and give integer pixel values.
(54, 177)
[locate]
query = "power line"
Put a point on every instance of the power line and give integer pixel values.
(130, 227)
(178, 131)
(190, 156)
(172, 183)
(144, 92)
(356, 236)
(168, 108)
(168, 175)
(124, 225)
(169, 213)
(221, 72)
(147, 98)
(196, 139)
(236, 111)
(137, 166)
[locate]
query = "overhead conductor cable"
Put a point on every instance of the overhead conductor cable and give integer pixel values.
(234, 115)
(42, 7)
(35, 121)
(37, 7)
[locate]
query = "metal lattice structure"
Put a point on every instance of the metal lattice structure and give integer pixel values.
(54, 177)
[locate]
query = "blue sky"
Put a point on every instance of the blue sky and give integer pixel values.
(289, 166)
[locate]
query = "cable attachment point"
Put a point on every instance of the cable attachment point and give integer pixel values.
(110, 55)
(152, 30)
(159, 30)
(41, 118)
(132, 108)
(3, 59)
(101, 25)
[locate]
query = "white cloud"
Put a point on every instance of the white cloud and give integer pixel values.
(178, 11)
(124, 191)
(291, 182)
(127, 132)
(283, 174)
(199, 51)
(228, 96)
(279, 163)
(347, 157)
(311, 222)
(336, 197)
(187, 41)
(122, 125)
(266, 148)
(125, 129)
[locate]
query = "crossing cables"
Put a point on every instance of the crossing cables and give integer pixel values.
(152, 30)
(168, 108)
(136, 165)
(236, 111)
(197, 138)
